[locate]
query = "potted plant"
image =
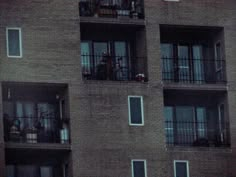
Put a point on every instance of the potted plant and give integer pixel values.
(140, 77)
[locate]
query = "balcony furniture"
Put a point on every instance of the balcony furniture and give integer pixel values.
(107, 11)
(111, 9)
(31, 135)
(15, 134)
(123, 13)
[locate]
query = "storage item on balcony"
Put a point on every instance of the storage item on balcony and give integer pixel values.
(31, 135)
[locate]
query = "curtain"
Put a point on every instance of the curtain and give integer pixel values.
(201, 122)
(198, 64)
(25, 112)
(183, 63)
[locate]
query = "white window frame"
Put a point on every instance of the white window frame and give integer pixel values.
(139, 160)
(182, 161)
(142, 112)
(20, 42)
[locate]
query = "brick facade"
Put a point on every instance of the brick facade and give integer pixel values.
(102, 144)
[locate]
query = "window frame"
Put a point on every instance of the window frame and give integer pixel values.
(139, 160)
(142, 111)
(20, 42)
(182, 161)
(218, 59)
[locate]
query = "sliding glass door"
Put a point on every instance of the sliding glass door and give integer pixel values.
(182, 62)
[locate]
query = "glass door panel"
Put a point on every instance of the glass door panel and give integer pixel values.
(183, 63)
(167, 61)
(85, 58)
(201, 122)
(101, 54)
(198, 64)
(121, 60)
(25, 113)
(185, 124)
(169, 124)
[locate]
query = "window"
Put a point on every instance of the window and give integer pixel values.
(138, 168)
(14, 44)
(135, 104)
(181, 168)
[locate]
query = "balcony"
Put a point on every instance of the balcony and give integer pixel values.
(123, 9)
(107, 54)
(45, 128)
(36, 170)
(115, 68)
(35, 113)
(37, 163)
(194, 71)
(197, 134)
(193, 55)
(198, 120)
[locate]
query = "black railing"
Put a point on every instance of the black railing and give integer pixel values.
(205, 134)
(197, 71)
(36, 130)
(118, 68)
(112, 8)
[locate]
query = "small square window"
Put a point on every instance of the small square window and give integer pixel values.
(14, 43)
(181, 168)
(135, 104)
(138, 168)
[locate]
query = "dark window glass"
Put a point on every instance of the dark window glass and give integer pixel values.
(10, 171)
(13, 42)
(181, 169)
(27, 171)
(138, 169)
(46, 171)
(135, 110)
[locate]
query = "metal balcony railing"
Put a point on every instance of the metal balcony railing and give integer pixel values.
(47, 129)
(199, 71)
(117, 68)
(112, 8)
(205, 134)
